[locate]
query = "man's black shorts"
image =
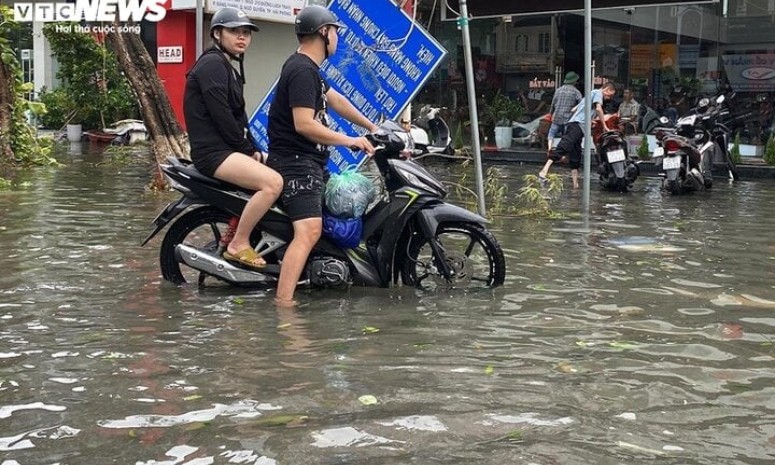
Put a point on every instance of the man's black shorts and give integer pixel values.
(304, 183)
(570, 145)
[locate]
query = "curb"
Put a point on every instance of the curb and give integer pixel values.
(745, 171)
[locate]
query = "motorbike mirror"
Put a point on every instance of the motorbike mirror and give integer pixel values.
(720, 99)
(704, 102)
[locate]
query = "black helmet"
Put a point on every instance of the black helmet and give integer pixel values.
(231, 17)
(312, 18)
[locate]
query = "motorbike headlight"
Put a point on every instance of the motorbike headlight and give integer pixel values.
(414, 180)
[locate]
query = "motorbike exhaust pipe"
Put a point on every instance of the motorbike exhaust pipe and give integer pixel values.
(220, 268)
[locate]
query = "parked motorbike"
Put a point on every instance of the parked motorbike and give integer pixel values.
(430, 133)
(411, 232)
(688, 151)
(617, 170)
(649, 119)
(527, 133)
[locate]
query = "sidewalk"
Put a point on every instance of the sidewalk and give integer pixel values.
(750, 168)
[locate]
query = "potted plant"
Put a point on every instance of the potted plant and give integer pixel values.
(734, 152)
(643, 149)
(769, 150)
(504, 110)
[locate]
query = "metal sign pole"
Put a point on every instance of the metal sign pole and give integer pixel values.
(462, 23)
(199, 26)
(589, 77)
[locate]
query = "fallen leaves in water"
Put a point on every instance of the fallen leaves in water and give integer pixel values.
(623, 345)
(731, 331)
(287, 420)
(565, 367)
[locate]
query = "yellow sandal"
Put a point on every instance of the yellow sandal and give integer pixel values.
(246, 257)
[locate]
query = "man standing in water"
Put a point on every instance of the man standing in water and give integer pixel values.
(570, 144)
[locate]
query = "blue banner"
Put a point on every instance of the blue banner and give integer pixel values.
(383, 59)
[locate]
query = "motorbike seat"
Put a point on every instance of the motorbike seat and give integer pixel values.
(187, 167)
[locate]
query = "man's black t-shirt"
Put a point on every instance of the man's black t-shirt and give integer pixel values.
(300, 85)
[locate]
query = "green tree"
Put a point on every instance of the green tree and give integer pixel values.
(18, 143)
(97, 90)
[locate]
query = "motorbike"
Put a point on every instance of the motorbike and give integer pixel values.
(616, 169)
(689, 150)
(649, 119)
(410, 233)
(527, 133)
(430, 133)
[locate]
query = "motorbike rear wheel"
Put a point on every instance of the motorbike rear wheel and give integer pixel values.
(201, 228)
(471, 251)
(622, 185)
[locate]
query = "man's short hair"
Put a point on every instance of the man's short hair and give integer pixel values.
(608, 85)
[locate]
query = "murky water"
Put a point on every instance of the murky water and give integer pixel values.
(641, 335)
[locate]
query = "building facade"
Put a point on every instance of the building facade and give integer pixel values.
(670, 56)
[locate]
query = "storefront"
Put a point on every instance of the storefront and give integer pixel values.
(669, 55)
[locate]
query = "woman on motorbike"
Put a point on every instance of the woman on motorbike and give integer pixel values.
(221, 146)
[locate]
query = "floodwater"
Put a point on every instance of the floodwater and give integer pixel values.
(643, 334)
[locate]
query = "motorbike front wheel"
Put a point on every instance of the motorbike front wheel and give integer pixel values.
(201, 228)
(472, 253)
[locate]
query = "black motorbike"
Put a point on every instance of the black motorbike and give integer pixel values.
(411, 232)
(616, 169)
(688, 151)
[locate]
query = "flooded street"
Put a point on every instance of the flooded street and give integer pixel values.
(642, 334)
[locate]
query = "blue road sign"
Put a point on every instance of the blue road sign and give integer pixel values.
(383, 59)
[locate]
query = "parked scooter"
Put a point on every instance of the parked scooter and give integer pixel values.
(527, 133)
(617, 170)
(431, 133)
(688, 151)
(649, 119)
(411, 232)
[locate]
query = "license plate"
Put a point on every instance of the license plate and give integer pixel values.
(615, 155)
(671, 163)
(659, 152)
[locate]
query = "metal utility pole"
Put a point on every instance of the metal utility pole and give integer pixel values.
(200, 19)
(590, 77)
(462, 22)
